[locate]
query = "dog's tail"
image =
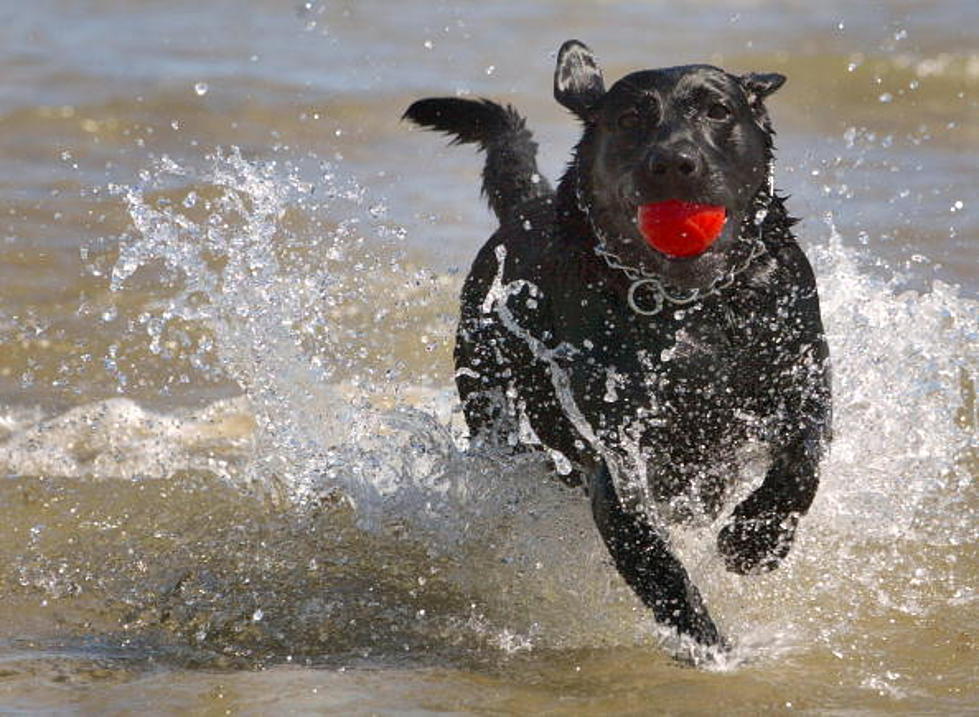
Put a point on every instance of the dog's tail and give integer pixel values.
(510, 176)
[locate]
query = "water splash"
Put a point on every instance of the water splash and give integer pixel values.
(304, 294)
(275, 325)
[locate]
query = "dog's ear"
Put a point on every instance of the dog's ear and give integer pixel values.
(578, 82)
(759, 85)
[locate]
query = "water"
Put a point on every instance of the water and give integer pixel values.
(234, 474)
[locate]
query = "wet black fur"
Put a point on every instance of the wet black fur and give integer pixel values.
(660, 405)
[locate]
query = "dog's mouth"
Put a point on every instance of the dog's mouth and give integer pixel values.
(680, 229)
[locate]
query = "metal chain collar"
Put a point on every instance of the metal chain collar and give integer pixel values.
(642, 278)
(661, 295)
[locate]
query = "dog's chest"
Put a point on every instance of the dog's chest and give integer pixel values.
(696, 366)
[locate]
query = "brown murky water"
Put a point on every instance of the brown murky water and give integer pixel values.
(230, 471)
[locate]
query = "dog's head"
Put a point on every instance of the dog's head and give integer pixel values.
(661, 146)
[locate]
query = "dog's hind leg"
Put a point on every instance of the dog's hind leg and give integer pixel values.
(643, 558)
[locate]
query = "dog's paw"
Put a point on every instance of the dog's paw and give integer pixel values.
(756, 543)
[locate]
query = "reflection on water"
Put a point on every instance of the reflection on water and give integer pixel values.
(228, 433)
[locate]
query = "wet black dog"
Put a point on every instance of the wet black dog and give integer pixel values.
(643, 373)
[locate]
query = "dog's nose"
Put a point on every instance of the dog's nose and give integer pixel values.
(664, 163)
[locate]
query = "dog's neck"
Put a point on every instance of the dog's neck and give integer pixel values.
(571, 218)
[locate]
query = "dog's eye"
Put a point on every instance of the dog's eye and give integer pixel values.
(717, 111)
(628, 120)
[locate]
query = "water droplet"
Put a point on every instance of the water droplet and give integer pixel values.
(429, 44)
(200, 88)
(491, 69)
(886, 97)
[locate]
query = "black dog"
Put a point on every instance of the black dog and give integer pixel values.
(642, 372)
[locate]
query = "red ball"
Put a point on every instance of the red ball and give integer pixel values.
(681, 229)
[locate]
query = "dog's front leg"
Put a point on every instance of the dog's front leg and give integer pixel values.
(643, 558)
(762, 528)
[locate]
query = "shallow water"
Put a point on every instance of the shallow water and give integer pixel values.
(232, 461)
